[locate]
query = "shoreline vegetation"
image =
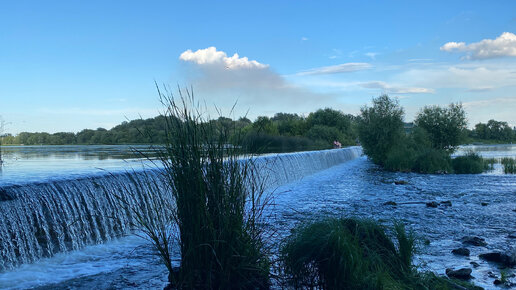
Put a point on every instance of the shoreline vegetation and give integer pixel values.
(424, 147)
(222, 231)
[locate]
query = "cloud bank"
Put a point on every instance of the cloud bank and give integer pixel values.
(503, 45)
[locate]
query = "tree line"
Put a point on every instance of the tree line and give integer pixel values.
(282, 132)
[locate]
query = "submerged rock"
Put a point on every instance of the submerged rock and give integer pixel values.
(474, 241)
(446, 203)
(463, 274)
(390, 203)
(432, 204)
(461, 252)
(400, 182)
(475, 264)
(499, 258)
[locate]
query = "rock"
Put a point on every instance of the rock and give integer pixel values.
(400, 182)
(497, 282)
(492, 275)
(499, 258)
(463, 274)
(484, 203)
(512, 236)
(390, 203)
(446, 203)
(461, 252)
(475, 264)
(432, 204)
(474, 241)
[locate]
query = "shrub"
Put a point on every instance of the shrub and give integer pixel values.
(471, 163)
(401, 158)
(350, 253)
(345, 254)
(431, 160)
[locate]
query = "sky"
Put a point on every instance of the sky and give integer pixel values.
(70, 65)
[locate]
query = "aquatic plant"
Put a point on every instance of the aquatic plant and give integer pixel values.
(509, 165)
(489, 163)
(351, 253)
(470, 163)
(219, 202)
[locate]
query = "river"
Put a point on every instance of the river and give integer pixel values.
(481, 205)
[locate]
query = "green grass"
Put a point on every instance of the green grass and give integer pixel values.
(349, 253)
(509, 165)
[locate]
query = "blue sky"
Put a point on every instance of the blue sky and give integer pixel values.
(69, 65)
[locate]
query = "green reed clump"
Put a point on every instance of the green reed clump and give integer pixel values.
(349, 253)
(489, 163)
(471, 163)
(219, 202)
(509, 165)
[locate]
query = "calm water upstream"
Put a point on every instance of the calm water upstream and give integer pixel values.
(353, 188)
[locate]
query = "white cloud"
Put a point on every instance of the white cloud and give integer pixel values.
(469, 77)
(212, 56)
(224, 80)
(395, 89)
(372, 55)
(336, 69)
(503, 45)
(304, 38)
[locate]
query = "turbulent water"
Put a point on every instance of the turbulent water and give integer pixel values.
(306, 185)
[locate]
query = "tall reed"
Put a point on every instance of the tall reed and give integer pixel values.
(509, 165)
(219, 201)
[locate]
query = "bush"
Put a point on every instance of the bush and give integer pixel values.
(401, 158)
(349, 253)
(471, 163)
(346, 254)
(431, 160)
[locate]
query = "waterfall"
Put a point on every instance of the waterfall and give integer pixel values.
(40, 219)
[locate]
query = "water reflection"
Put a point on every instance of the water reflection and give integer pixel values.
(36, 163)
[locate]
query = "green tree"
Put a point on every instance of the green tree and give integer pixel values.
(443, 125)
(380, 127)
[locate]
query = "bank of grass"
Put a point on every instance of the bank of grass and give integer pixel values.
(349, 253)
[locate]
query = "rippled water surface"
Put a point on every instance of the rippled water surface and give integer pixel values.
(482, 205)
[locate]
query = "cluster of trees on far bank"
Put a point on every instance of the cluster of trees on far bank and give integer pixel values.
(282, 132)
(492, 132)
(427, 148)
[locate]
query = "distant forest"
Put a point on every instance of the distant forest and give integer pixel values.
(283, 132)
